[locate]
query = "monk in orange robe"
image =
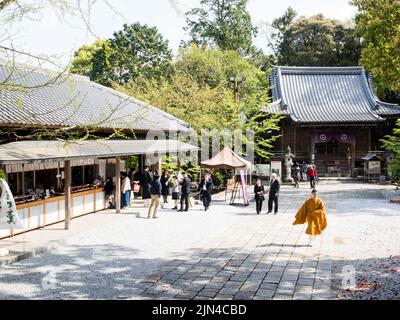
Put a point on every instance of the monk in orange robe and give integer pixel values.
(312, 212)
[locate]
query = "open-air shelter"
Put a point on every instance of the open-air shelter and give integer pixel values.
(29, 156)
(228, 159)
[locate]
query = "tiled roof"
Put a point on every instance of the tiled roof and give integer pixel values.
(39, 97)
(326, 95)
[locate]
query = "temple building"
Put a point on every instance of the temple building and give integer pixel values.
(332, 117)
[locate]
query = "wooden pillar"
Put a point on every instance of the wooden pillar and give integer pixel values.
(369, 140)
(118, 184)
(23, 179)
(67, 185)
(294, 139)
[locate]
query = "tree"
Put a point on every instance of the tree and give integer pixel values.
(392, 144)
(314, 41)
(378, 23)
(221, 23)
(139, 50)
(198, 92)
(135, 51)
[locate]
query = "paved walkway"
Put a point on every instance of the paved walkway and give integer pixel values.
(226, 253)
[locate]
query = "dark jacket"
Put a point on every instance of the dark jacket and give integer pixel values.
(164, 186)
(155, 189)
(147, 179)
(186, 184)
(109, 188)
(258, 189)
(275, 186)
(209, 186)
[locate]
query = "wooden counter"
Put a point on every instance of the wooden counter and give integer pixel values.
(41, 213)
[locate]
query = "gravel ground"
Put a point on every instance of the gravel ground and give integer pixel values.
(107, 262)
(365, 236)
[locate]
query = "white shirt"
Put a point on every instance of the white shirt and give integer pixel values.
(126, 184)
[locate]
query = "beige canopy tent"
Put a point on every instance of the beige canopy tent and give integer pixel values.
(227, 159)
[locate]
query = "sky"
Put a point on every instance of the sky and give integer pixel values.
(60, 39)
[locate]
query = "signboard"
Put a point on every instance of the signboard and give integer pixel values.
(374, 167)
(276, 167)
(263, 170)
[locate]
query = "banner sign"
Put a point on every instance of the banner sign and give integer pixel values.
(8, 212)
(334, 137)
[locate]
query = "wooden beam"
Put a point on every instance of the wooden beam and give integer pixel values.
(118, 184)
(68, 208)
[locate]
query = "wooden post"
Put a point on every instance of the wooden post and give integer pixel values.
(67, 185)
(117, 184)
(23, 180)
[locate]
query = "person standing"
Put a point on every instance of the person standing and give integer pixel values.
(185, 191)
(259, 195)
(109, 189)
(175, 191)
(155, 190)
(312, 174)
(273, 194)
(312, 212)
(147, 181)
(206, 187)
(126, 191)
(165, 178)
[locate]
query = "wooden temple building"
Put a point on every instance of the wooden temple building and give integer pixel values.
(332, 117)
(55, 180)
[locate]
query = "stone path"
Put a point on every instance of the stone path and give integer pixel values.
(226, 253)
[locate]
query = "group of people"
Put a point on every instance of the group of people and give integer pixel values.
(311, 212)
(305, 172)
(154, 187)
(273, 196)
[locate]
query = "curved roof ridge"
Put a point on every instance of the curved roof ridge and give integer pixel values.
(326, 94)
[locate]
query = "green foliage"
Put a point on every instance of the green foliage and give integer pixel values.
(221, 23)
(199, 92)
(3, 175)
(135, 51)
(314, 41)
(378, 23)
(392, 144)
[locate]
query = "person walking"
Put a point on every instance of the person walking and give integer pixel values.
(273, 196)
(155, 191)
(206, 187)
(126, 191)
(304, 170)
(146, 183)
(175, 191)
(312, 212)
(165, 179)
(259, 195)
(185, 191)
(312, 175)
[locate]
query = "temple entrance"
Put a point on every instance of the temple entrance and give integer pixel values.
(334, 154)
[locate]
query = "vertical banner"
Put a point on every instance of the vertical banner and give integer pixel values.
(8, 212)
(244, 187)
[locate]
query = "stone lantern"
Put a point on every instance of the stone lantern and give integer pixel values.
(288, 164)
